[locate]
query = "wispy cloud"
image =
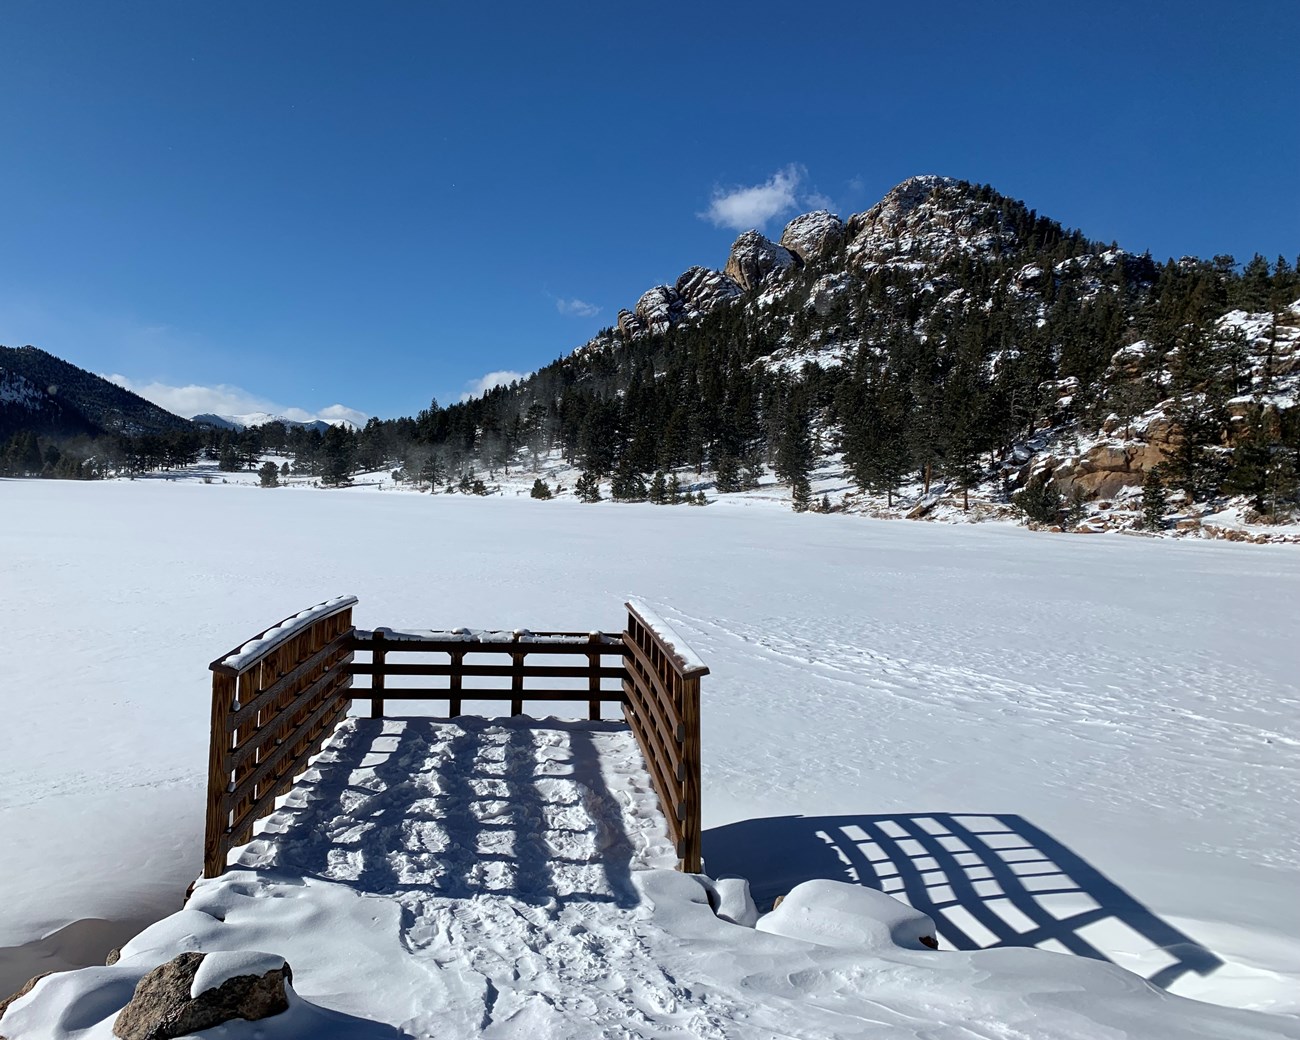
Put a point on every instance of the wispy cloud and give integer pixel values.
(742, 207)
(577, 308)
(478, 387)
(225, 399)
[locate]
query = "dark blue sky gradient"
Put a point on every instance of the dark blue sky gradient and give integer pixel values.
(377, 203)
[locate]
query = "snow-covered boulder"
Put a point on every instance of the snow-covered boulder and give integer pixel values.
(731, 900)
(196, 991)
(834, 913)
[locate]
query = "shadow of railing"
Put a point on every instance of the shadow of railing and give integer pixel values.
(987, 880)
(475, 807)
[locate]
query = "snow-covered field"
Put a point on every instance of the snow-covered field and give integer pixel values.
(1082, 743)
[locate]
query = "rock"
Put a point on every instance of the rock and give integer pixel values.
(630, 325)
(703, 290)
(825, 292)
(659, 308)
(165, 1003)
(813, 237)
(755, 260)
(26, 988)
(114, 955)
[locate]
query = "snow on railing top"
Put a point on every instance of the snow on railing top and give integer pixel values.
(688, 659)
(243, 657)
(470, 635)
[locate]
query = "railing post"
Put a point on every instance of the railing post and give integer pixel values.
(517, 678)
(377, 679)
(455, 681)
(593, 682)
(218, 817)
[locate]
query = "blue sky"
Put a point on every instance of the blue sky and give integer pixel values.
(309, 204)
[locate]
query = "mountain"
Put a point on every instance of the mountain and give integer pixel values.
(51, 397)
(948, 337)
(244, 422)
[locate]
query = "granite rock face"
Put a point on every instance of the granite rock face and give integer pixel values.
(755, 260)
(813, 237)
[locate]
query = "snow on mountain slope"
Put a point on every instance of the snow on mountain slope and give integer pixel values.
(1107, 725)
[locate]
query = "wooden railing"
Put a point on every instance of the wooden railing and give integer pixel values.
(662, 707)
(276, 700)
(515, 682)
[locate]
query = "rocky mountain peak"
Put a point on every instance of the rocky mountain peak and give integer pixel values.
(931, 218)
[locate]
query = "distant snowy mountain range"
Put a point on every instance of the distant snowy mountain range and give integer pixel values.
(243, 422)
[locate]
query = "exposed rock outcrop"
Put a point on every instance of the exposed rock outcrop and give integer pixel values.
(630, 325)
(659, 308)
(165, 1004)
(813, 237)
(754, 260)
(703, 290)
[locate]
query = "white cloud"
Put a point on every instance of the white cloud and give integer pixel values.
(576, 307)
(478, 387)
(743, 208)
(225, 399)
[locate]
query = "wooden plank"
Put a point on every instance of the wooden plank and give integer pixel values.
(441, 693)
(637, 623)
(248, 711)
(279, 726)
(665, 804)
(578, 647)
(344, 607)
(487, 671)
(664, 719)
(650, 673)
(265, 803)
(276, 754)
(668, 752)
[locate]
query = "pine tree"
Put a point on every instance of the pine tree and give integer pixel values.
(659, 488)
(1153, 500)
(800, 494)
(540, 489)
(1039, 500)
(269, 474)
(587, 486)
(674, 492)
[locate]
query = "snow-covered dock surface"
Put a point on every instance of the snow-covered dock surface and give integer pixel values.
(497, 878)
(1125, 709)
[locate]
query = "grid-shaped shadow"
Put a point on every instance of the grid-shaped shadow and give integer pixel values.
(513, 807)
(986, 880)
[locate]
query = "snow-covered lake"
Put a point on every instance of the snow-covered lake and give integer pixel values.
(909, 704)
